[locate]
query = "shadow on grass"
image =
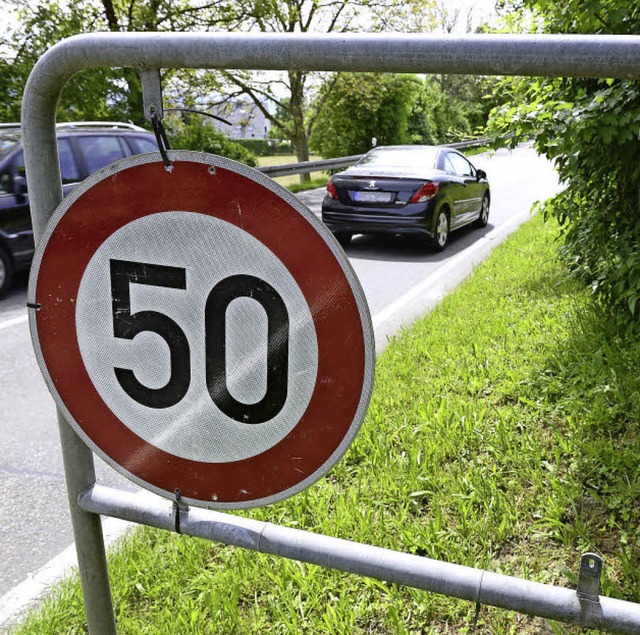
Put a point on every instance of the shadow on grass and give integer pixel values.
(591, 382)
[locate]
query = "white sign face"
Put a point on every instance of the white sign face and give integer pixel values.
(201, 330)
(194, 427)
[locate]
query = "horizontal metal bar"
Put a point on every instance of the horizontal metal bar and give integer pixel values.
(305, 167)
(494, 54)
(551, 55)
(467, 583)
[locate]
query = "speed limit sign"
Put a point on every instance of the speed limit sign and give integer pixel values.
(201, 330)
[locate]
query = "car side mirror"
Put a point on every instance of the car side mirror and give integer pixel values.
(481, 174)
(19, 186)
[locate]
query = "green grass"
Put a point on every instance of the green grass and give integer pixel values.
(477, 150)
(308, 185)
(292, 182)
(502, 434)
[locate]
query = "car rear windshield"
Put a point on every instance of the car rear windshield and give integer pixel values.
(9, 138)
(400, 157)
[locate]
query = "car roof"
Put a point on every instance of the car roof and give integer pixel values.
(406, 147)
(407, 154)
(14, 130)
(103, 126)
(11, 133)
(414, 148)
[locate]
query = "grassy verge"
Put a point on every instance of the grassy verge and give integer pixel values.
(292, 182)
(309, 185)
(502, 434)
(477, 150)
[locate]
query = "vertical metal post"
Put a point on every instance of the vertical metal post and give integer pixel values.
(152, 93)
(45, 192)
(87, 528)
(553, 55)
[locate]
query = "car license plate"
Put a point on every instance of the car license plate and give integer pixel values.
(372, 197)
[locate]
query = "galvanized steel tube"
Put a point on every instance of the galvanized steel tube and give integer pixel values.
(79, 472)
(467, 583)
(553, 55)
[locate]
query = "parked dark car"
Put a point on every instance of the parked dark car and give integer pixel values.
(419, 190)
(83, 148)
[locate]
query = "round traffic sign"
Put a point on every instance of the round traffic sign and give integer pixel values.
(201, 330)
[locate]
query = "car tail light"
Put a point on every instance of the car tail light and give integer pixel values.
(331, 190)
(425, 192)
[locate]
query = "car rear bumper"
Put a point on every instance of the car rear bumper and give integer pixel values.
(358, 221)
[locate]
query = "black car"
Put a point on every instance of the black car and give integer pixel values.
(419, 190)
(83, 148)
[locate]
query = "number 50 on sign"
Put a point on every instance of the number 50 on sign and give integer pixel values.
(201, 330)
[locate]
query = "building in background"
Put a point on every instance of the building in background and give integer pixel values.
(247, 120)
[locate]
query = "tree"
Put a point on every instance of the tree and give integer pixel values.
(39, 26)
(93, 93)
(102, 94)
(589, 128)
(397, 109)
(286, 101)
(362, 106)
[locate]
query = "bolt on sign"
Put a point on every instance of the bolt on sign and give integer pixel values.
(201, 330)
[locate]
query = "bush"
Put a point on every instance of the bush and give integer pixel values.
(205, 137)
(398, 109)
(359, 107)
(589, 129)
(259, 147)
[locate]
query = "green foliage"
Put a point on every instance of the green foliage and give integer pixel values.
(590, 129)
(99, 94)
(205, 137)
(460, 104)
(86, 94)
(398, 109)
(259, 147)
(93, 94)
(587, 16)
(361, 107)
(438, 115)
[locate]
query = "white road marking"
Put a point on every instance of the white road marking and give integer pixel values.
(26, 595)
(13, 321)
(450, 265)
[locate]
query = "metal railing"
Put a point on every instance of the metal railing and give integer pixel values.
(533, 55)
(584, 607)
(306, 167)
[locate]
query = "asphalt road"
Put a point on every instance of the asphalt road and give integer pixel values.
(401, 279)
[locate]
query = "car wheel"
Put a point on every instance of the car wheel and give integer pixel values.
(441, 237)
(6, 272)
(483, 219)
(344, 238)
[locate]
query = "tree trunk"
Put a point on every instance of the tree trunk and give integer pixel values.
(302, 153)
(296, 108)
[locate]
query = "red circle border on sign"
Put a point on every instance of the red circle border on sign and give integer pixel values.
(136, 188)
